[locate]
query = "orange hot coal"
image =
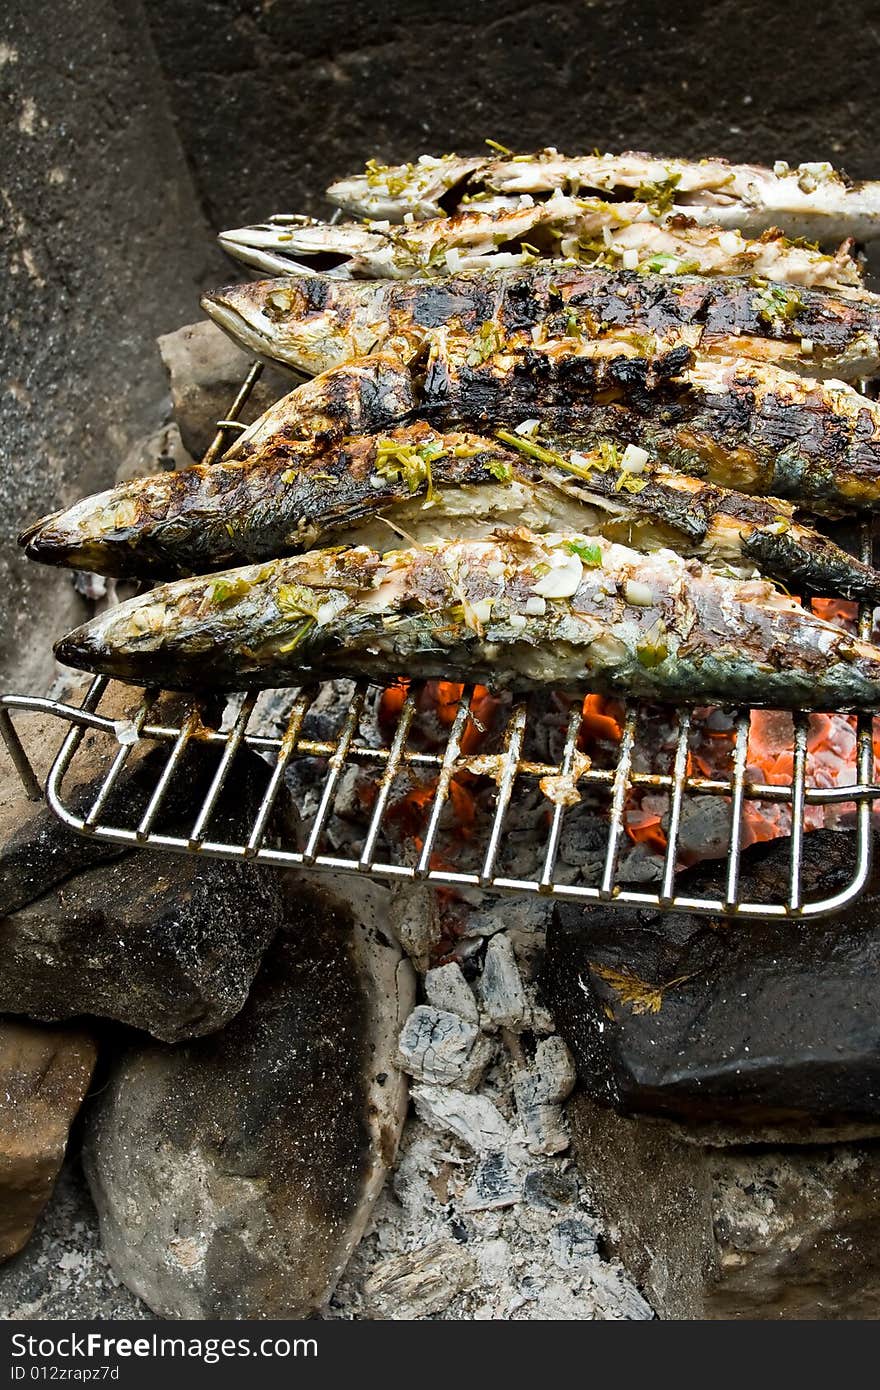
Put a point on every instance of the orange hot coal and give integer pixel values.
(602, 718)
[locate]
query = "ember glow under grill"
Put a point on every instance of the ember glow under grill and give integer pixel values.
(445, 811)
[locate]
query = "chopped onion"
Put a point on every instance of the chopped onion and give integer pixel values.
(630, 258)
(535, 607)
(636, 592)
(562, 579)
(634, 459)
(526, 427)
(517, 621)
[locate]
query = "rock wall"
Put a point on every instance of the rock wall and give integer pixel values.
(103, 247)
(306, 89)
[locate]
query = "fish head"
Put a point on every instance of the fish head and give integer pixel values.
(75, 537)
(309, 323)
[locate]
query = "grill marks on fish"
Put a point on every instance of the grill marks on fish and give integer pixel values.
(516, 611)
(811, 199)
(310, 329)
(289, 495)
(591, 230)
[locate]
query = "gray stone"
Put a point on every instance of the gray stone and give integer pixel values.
(397, 81)
(63, 1273)
(37, 850)
(234, 1175)
(205, 370)
(765, 1025)
(44, 1075)
(753, 1233)
(167, 943)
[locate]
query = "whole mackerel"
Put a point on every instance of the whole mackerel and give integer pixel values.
(516, 611)
(415, 482)
(589, 230)
(313, 322)
(739, 424)
(811, 199)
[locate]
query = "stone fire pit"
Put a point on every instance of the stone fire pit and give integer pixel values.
(227, 1091)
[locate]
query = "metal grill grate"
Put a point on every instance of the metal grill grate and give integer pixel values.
(515, 775)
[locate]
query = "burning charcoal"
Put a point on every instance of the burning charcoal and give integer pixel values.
(258, 1152)
(747, 1023)
(501, 988)
(472, 1119)
(538, 1093)
(44, 1075)
(447, 988)
(496, 1183)
(424, 1281)
(439, 1046)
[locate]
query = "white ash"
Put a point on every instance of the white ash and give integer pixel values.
(447, 988)
(531, 1252)
(441, 1047)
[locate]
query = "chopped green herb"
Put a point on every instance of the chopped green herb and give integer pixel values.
(295, 601)
(495, 145)
(488, 340)
(289, 475)
(500, 470)
(778, 304)
(225, 590)
(408, 463)
(609, 454)
(535, 451)
(653, 648)
(660, 195)
(590, 554)
(299, 635)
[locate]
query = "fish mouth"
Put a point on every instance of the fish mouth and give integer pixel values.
(233, 322)
(244, 245)
(36, 539)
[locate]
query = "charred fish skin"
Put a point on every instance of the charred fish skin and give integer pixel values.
(311, 323)
(743, 425)
(589, 230)
(517, 612)
(288, 498)
(293, 496)
(811, 200)
(360, 397)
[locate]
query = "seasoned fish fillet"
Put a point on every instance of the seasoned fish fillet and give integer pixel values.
(517, 611)
(811, 200)
(312, 323)
(416, 482)
(742, 425)
(615, 235)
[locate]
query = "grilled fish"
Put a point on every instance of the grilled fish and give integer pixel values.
(312, 323)
(811, 200)
(742, 425)
(588, 230)
(517, 611)
(423, 485)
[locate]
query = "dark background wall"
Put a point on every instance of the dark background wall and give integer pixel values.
(130, 128)
(272, 99)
